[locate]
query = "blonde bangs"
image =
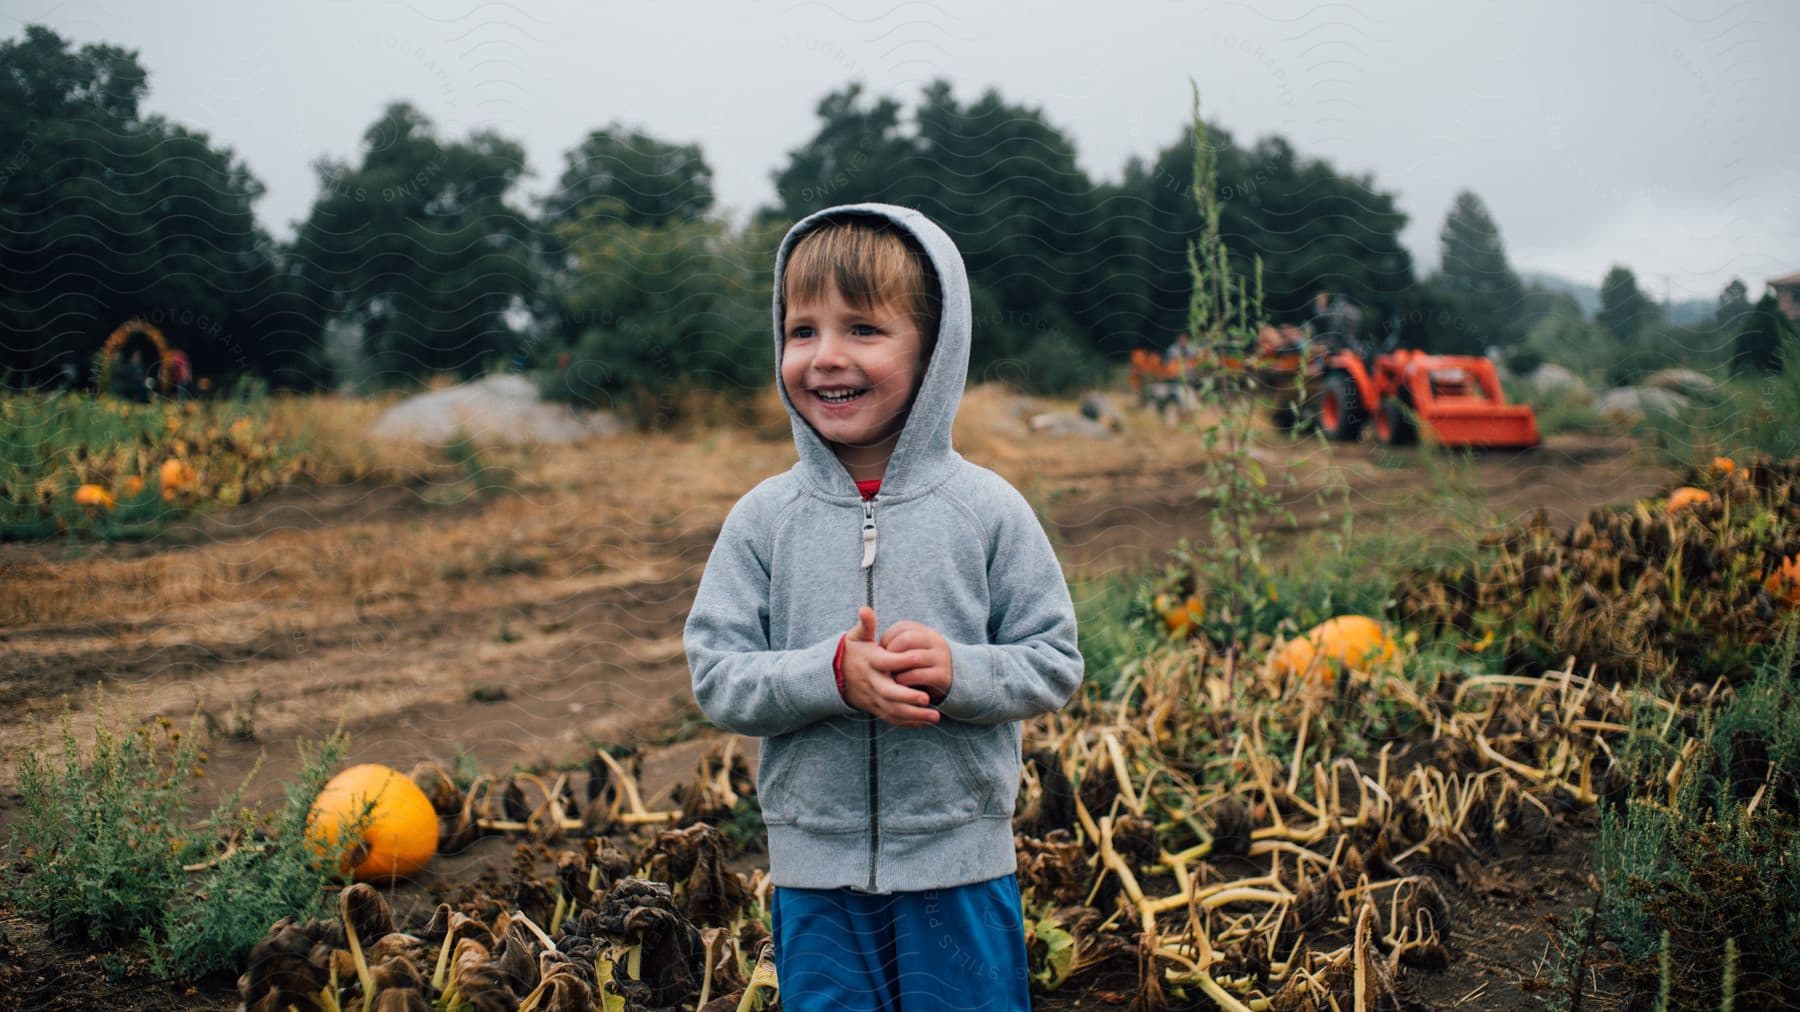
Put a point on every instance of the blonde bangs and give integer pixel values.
(870, 263)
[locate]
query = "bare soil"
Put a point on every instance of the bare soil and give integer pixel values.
(526, 624)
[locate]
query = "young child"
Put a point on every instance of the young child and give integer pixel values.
(883, 615)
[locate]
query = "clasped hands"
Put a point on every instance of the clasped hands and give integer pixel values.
(900, 678)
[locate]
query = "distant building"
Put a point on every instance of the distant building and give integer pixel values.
(1787, 295)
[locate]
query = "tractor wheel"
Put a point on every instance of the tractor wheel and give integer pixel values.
(1395, 424)
(1340, 408)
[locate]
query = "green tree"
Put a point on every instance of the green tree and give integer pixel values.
(1759, 340)
(1062, 266)
(420, 248)
(109, 214)
(1624, 310)
(661, 311)
(859, 153)
(1314, 227)
(1474, 272)
(1004, 183)
(1734, 302)
(634, 178)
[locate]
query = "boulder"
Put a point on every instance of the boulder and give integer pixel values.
(1686, 382)
(1553, 378)
(1638, 402)
(1068, 423)
(499, 409)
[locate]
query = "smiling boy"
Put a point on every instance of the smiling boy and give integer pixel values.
(890, 756)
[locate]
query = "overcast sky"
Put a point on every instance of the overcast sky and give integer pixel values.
(1661, 135)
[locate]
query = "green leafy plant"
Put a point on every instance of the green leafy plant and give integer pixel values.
(101, 840)
(251, 885)
(1719, 862)
(108, 851)
(1224, 310)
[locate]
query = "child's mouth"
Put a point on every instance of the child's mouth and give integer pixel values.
(839, 396)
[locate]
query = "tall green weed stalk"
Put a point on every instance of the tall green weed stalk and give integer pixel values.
(1224, 309)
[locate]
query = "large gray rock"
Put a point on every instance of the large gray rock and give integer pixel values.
(1638, 402)
(498, 409)
(1553, 378)
(1686, 382)
(1068, 423)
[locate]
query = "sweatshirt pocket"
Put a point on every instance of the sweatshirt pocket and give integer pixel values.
(800, 778)
(945, 775)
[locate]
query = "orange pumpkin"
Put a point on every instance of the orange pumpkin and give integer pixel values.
(175, 477)
(132, 485)
(1685, 496)
(93, 495)
(1177, 618)
(1723, 465)
(1784, 584)
(399, 828)
(1354, 642)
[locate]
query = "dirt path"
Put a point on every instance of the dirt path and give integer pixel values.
(524, 626)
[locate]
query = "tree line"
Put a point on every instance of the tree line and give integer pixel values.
(420, 255)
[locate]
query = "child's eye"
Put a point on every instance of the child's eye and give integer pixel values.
(864, 329)
(800, 332)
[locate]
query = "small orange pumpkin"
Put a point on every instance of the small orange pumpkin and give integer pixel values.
(1784, 584)
(1685, 496)
(132, 485)
(1178, 618)
(93, 495)
(1723, 465)
(1354, 642)
(175, 477)
(399, 828)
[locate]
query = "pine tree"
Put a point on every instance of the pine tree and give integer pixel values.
(1759, 339)
(1624, 309)
(1475, 273)
(1734, 302)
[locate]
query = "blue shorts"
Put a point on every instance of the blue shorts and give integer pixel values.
(959, 948)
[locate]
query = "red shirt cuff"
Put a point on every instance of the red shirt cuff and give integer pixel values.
(837, 665)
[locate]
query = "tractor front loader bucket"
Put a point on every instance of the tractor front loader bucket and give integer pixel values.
(1478, 422)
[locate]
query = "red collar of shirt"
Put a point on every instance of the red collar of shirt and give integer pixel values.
(869, 488)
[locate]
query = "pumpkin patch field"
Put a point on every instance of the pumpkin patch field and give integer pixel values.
(1489, 700)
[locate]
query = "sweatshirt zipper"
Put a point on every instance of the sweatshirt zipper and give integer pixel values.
(873, 725)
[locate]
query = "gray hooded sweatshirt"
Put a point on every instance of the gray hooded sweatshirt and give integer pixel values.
(849, 800)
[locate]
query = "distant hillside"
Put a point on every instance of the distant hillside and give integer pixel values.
(1588, 297)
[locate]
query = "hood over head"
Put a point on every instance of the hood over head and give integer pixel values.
(924, 448)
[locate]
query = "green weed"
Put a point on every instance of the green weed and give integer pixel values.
(101, 840)
(104, 844)
(213, 925)
(1718, 863)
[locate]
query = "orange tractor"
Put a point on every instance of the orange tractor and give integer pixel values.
(1272, 362)
(1452, 400)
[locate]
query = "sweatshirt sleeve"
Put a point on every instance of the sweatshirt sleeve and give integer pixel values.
(739, 683)
(1031, 664)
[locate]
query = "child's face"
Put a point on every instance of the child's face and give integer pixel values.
(877, 358)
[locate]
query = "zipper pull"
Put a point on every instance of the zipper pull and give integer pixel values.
(868, 532)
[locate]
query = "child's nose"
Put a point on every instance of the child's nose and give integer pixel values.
(832, 350)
